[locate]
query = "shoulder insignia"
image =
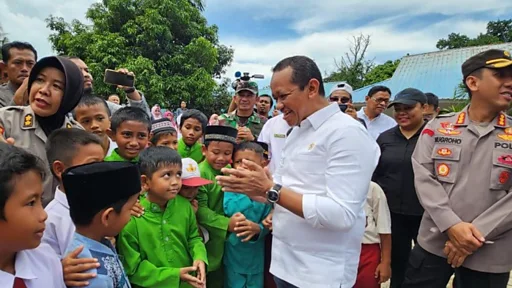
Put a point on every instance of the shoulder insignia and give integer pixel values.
(68, 125)
(28, 121)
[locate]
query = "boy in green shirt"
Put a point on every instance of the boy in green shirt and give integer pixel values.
(192, 126)
(162, 248)
(163, 134)
(219, 142)
(130, 128)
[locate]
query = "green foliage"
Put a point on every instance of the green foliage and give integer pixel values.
(381, 72)
(459, 100)
(3, 38)
(499, 31)
(166, 43)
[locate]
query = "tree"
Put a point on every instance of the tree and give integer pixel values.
(381, 72)
(353, 66)
(166, 43)
(3, 38)
(499, 31)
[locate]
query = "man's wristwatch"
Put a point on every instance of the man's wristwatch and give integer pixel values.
(274, 193)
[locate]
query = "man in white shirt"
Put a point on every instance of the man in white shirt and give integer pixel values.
(274, 134)
(372, 114)
(320, 186)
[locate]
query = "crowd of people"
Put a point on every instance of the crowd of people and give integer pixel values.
(98, 194)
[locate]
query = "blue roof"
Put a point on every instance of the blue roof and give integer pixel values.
(437, 72)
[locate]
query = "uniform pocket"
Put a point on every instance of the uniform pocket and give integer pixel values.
(446, 160)
(501, 170)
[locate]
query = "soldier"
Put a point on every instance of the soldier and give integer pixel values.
(54, 87)
(462, 177)
(244, 118)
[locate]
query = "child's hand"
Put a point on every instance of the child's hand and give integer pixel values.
(201, 270)
(247, 229)
(237, 217)
(195, 205)
(137, 209)
(192, 280)
(383, 272)
(74, 269)
(267, 222)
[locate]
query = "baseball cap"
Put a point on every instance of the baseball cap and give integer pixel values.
(493, 58)
(248, 86)
(409, 96)
(343, 86)
(191, 176)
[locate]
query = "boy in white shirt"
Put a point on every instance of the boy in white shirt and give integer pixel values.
(375, 260)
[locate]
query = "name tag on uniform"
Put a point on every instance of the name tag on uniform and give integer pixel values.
(279, 136)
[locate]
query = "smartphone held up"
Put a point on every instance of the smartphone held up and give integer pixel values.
(113, 77)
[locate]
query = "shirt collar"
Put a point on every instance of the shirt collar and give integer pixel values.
(363, 114)
(104, 246)
(11, 87)
(319, 117)
(61, 197)
(23, 266)
(150, 206)
(462, 119)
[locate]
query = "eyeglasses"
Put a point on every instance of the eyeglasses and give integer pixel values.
(338, 99)
(380, 100)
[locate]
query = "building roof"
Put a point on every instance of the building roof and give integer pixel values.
(436, 72)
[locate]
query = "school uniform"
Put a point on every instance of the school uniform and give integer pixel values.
(59, 226)
(111, 147)
(115, 157)
(37, 268)
(195, 151)
(155, 246)
(244, 261)
(110, 274)
(20, 123)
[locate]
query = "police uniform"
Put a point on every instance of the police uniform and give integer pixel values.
(463, 174)
(7, 92)
(19, 123)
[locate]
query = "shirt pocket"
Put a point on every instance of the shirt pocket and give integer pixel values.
(501, 170)
(446, 161)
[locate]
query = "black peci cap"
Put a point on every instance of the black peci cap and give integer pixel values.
(220, 133)
(493, 58)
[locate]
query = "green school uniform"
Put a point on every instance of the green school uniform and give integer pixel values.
(195, 152)
(155, 246)
(114, 156)
(211, 216)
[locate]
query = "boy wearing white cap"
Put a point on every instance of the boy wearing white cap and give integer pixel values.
(191, 180)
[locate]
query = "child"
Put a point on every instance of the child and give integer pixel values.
(162, 248)
(100, 197)
(219, 142)
(191, 181)
(25, 263)
(130, 130)
(245, 248)
(164, 134)
(29, 126)
(66, 148)
(192, 126)
(375, 260)
(94, 115)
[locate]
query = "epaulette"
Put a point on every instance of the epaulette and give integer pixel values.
(446, 115)
(9, 108)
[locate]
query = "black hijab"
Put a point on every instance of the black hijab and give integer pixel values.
(72, 92)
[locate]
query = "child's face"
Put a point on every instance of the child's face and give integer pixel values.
(168, 140)
(164, 184)
(191, 131)
(94, 119)
(131, 138)
(114, 222)
(85, 154)
(24, 214)
(189, 192)
(247, 155)
(218, 154)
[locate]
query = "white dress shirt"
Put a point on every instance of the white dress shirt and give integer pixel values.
(38, 267)
(378, 124)
(274, 134)
(59, 226)
(329, 159)
(378, 218)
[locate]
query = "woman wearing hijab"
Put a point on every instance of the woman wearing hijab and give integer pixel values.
(156, 113)
(170, 116)
(55, 86)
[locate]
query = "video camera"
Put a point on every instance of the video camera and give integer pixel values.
(244, 77)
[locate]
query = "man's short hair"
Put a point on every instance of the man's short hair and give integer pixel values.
(15, 162)
(62, 144)
(432, 99)
(129, 114)
(379, 88)
(303, 70)
(6, 49)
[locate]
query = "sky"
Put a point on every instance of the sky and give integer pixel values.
(262, 32)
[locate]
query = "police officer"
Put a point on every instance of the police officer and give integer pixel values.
(244, 118)
(54, 87)
(463, 169)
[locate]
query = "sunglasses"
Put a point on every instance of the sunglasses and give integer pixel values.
(338, 99)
